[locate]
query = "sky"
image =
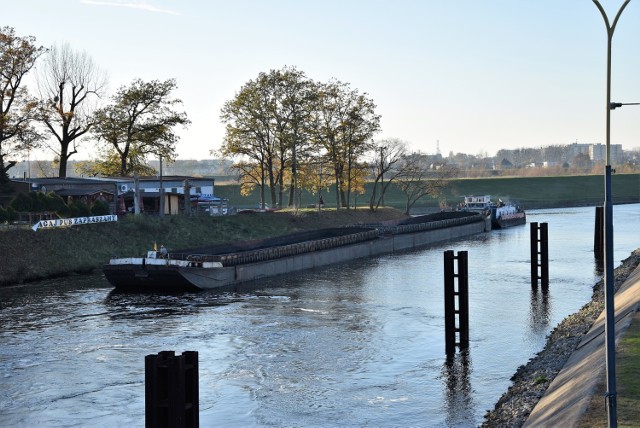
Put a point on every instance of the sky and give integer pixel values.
(464, 76)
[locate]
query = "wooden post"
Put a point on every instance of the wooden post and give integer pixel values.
(456, 321)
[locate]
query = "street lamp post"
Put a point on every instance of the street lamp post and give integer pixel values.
(609, 282)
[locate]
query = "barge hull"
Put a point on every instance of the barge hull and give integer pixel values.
(172, 278)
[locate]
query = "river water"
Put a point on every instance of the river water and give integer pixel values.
(356, 344)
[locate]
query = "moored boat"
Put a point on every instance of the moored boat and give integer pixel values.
(503, 214)
(225, 266)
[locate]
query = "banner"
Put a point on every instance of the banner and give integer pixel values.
(74, 221)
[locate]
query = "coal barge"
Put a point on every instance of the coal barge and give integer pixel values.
(226, 266)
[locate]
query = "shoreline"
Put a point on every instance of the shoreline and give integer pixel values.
(532, 379)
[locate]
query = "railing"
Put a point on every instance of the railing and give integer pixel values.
(369, 232)
(294, 249)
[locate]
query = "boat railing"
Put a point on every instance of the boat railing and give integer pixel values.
(279, 251)
(295, 249)
(433, 225)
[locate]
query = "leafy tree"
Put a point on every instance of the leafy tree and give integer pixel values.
(18, 55)
(295, 103)
(250, 134)
(139, 122)
(282, 120)
(343, 124)
(109, 163)
(316, 176)
(69, 84)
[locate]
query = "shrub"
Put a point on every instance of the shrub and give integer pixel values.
(55, 202)
(4, 216)
(100, 208)
(12, 215)
(77, 209)
(39, 202)
(22, 203)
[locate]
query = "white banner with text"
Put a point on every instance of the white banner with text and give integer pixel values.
(61, 222)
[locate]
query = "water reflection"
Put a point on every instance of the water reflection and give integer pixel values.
(598, 265)
(459, 403)
(539, 310)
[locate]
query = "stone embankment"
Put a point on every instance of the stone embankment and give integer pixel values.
(532, 379)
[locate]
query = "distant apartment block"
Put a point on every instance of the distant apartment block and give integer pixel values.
(598, 153)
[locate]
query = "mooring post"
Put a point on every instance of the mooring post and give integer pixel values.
(539, 243)
(598, 234)
(456, 333)
(171, 390)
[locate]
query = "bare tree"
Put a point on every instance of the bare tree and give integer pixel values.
(70, 84)
(388, 156)
(420, 178)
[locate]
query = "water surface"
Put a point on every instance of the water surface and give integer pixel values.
(356, 344)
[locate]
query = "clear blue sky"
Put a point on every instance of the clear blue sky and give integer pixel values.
(475, 76)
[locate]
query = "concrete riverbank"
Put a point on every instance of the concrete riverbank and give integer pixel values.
(556, 386)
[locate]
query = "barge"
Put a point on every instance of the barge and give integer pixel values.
(502, 214)
(226, 266)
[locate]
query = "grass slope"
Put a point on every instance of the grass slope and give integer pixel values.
(531, 192)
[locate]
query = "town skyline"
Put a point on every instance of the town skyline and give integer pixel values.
(545, 156)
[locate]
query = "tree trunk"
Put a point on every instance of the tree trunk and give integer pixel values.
(62, 170)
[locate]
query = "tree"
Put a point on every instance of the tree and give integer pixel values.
(388, 155)
(282, 119)
(139, 122)
(343, 124)
(316, 176)
(18, 55)
(419, 179)
(295, 105)
(69, 84)
(267, 127)
(249, 136)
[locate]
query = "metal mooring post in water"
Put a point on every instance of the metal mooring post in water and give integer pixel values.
(456, 301)
(171, 390)
(540, 255)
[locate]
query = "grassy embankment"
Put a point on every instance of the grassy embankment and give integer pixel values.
(531, 192)
(628, 384)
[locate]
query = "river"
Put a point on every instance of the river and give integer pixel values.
(356, 344)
